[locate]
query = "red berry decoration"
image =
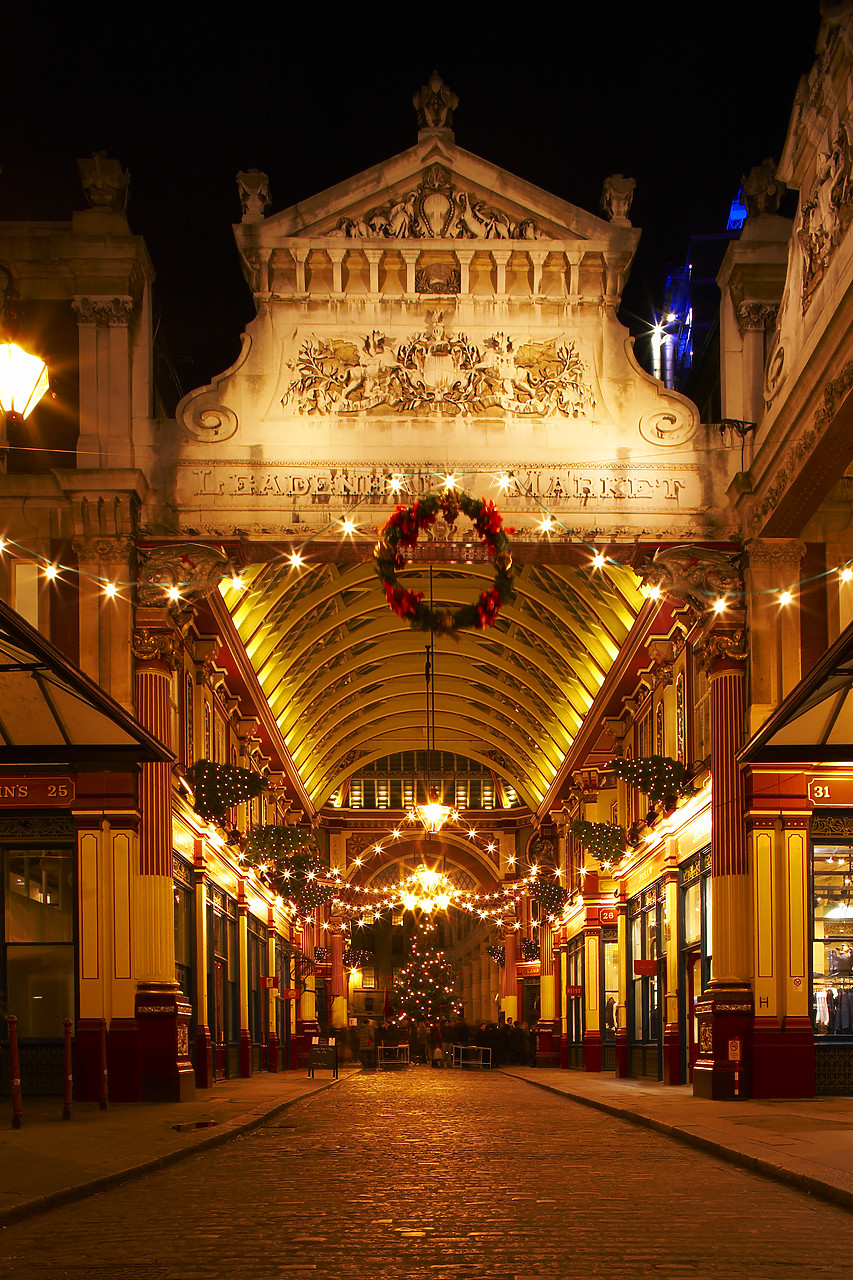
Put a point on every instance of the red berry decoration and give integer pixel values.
(402, 530)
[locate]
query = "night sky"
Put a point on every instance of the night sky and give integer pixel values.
(684, 98)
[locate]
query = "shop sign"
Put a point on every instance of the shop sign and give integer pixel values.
(831, 789)
(269, 984)
(645, 968)
(607, 915)
(290, 993)
(36, 793)
(574, 992)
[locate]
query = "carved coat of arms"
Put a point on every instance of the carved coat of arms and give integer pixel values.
(436, 372)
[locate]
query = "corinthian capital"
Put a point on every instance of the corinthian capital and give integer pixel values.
(102, 310)
(775, 551)
(756, 316)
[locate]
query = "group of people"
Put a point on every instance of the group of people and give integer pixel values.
(512, 1043)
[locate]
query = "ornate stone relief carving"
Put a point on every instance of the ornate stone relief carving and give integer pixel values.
(788, 551)
(436, 372)
(616, 196)
(104, 182)
(436, 209)
(148, 645)
(753, 316)
(833, 393)
(827, 211)
(697, 575)
(195, 570)
(722, 647)
(438, 278)
(119, 549)
(103, 311)
(253, 188)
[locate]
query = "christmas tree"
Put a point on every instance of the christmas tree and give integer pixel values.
(425, 984)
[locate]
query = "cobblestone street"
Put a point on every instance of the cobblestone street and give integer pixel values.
(438, 1174)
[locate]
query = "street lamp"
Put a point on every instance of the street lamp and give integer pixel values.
(23, 377)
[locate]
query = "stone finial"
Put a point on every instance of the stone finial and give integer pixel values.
(762, 190)
(435, 104)
(616, 196)
(104, 182)
(254, 190)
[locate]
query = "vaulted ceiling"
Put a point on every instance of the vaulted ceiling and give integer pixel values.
(345, 677)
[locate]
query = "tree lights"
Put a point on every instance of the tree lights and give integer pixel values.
(425, 985)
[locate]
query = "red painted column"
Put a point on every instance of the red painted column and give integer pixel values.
(726, 1008)
(162, 1010)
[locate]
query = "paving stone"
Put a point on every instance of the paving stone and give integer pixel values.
(439, 1175)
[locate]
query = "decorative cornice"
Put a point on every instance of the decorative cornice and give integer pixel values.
(781, 551)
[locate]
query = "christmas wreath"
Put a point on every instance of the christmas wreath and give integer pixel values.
(604, 840)
(402, 530)
(218, 787)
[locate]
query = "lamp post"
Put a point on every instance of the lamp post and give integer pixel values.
(23, 377)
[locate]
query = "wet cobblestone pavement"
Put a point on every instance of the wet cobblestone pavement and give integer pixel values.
(438, 1174)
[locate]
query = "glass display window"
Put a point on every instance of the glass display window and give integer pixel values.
(610, 981)
(37, 958)
(832, 940)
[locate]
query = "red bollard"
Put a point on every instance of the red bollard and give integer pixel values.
(17, 1109)
(104, 1096)
(66, 1105)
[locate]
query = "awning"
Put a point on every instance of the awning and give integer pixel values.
(814, 724)
(52, 714)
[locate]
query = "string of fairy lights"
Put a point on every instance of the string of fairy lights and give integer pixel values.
(397, 486)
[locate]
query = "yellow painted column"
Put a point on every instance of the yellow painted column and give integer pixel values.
(623, 1065)
(592, 1001)
(203, 1037)
(245, 1057)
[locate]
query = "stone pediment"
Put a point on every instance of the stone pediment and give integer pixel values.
(435, 191)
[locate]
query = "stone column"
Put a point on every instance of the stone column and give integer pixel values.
(162, 1011)
(725, 1009)
(203, 1038)
(754, 318)
(774, 629)
(564, 1018)
(105, 381)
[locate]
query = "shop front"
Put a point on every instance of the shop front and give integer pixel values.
(694, 878)
(646, 981)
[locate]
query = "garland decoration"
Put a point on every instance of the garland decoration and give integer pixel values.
(529, 949)
(498, 954)
(661, 778)
(402, 530)
(355, 957)
(289, 860)
(218, 787)
(604, 840)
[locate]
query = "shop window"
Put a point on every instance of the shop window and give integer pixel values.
(660, 743)
(701, 713)
(609, 981)
(208, 745)
(189, 754)
(645, 912)
(184, 938)
(574, 983)
(832, 941)
(38, 950)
